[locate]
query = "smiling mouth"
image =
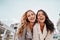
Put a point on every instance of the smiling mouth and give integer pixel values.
(41, 18)
(32, 19)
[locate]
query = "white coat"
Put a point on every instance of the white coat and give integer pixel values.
(38, 35)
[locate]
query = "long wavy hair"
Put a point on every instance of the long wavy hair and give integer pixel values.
(48, 22)
(24, 23)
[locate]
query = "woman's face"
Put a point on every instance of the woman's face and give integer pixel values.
(41, 17)
(31, 16)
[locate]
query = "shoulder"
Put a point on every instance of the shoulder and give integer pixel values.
(36, 26)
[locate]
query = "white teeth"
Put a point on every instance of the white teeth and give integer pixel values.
(41, 18)
(32, 18)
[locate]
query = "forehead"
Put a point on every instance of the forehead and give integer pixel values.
(30, 12)
(40, 12)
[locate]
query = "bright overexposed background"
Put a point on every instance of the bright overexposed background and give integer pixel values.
(11, 11)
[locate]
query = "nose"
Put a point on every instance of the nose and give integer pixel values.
(31, 16)
(40, 15)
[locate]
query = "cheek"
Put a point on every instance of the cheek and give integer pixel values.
(34, 16)
(28, 18)
(44, 18)
(38, 18)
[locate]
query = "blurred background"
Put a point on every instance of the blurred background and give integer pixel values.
(11, 12)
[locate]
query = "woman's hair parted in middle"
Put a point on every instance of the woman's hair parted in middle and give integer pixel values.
(48, 22)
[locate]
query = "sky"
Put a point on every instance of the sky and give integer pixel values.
(11, 11)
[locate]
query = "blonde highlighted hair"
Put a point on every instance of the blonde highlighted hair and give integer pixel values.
(24, 23)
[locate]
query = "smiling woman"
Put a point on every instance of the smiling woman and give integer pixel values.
(25, 30)
(44, 28)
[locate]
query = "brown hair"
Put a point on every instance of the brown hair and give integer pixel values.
(48, 22)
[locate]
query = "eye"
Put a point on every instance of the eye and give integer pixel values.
(28, 15)
(32, 14)
(38, 14)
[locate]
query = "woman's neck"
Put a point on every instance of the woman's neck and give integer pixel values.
(42, 26)
(31, 26)
(31, 23)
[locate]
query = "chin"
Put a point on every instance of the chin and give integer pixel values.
(32, 21)
(41, 21)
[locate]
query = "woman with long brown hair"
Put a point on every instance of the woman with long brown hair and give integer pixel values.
(25, 30)
(44, 28)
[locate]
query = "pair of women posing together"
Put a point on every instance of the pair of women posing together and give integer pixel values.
(35, 26)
